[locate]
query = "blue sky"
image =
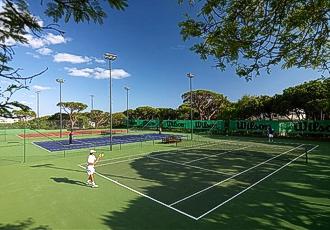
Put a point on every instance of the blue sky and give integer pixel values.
(152, 60)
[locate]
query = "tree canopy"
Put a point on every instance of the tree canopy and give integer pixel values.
(255, 35)
(16, 21)
(207, 103)
(72, 109)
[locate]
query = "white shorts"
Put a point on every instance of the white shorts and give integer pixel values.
(270, 135)
(90, 170)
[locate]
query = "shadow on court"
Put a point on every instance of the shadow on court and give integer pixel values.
(66, 180)
(51, 166)
(294, 198)
(24, 224)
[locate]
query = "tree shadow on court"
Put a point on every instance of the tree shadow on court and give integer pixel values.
(295, 197)
(24, 224)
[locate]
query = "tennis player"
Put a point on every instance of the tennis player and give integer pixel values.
(270, 134)
(91, 161)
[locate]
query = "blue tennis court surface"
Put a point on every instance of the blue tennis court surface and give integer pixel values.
(96, 142)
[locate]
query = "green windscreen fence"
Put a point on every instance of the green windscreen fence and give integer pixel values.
(305, 127)
(257, 126)
(216, 125)
(144, 123)
(283, 128)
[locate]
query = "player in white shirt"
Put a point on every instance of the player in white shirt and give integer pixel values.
(91, 161)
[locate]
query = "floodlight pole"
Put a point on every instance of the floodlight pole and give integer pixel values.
(38, 92)
(110, 57)
(127, 89)
(190, 76)
(60, 81)
(92, 102)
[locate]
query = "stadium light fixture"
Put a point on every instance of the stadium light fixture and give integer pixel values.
(191, 76)
(60, 81)
(111, 57)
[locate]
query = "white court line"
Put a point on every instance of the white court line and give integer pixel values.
(116, 162)
(41, 147)
(254, 184)
(144, 195)
(161, 152)
(130, 159)
(246, 170)
(190, 166)
(214, 155)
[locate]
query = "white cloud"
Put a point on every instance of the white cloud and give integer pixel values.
(101, 61)
(39, 21)
(33, 54)
(34, 42)
(86, 72)
(9, 41)
(1, 6)
(44, 51)
(55, 39)
(26, 103)
(97, 73)
(65, 57)
(40, 88)
(5, 82)
(48, 39)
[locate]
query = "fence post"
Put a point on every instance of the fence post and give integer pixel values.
(24, 144)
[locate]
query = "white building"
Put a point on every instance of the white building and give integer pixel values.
(4, 120)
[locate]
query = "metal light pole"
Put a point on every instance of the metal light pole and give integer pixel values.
(110, 57)
(38, 92)
(60, 81)
(127, 89)
(190, 76)
(92, 102)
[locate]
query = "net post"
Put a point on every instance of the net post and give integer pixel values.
(120, 145)
(153, 142)
(64, 153)
(306, 155)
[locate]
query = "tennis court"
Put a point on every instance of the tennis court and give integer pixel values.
(60, 145)
(194, 180)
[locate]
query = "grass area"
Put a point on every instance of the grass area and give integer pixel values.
(49, 191)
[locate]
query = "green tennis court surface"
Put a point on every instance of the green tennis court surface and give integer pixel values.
(214, 183)
(196, 180)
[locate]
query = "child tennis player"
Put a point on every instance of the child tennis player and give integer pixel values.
(91, 161)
